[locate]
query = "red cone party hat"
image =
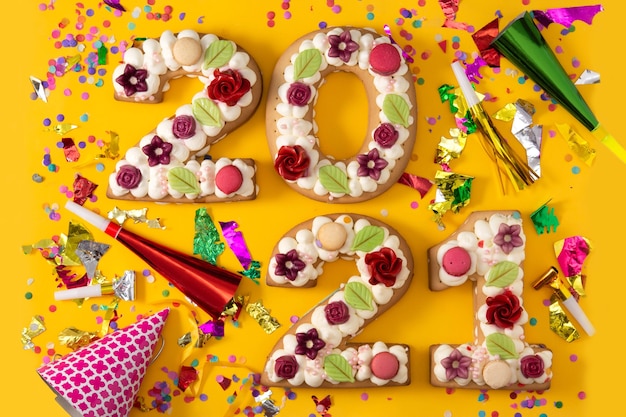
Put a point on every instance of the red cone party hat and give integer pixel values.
(103, 378)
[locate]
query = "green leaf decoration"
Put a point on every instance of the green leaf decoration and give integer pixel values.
(502, 345)
(338, 368)
(502, 274)
(218, 54)
(183, 180)
(206, 112)
(368, 238)
(307, 63)
(396, 109)
(358, 296)
(334, 179)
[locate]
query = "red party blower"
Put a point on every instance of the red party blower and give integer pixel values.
(208, 286)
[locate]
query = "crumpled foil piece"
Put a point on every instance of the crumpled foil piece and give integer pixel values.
(262, 316)
(34, 329)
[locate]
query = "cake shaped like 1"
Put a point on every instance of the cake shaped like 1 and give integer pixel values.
(489, 249)
(315, 351)
(170, 164)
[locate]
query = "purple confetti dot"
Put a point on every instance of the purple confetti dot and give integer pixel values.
(322, 25)
(365, 396)
(47, 122)
(573, 357)
(60, 117)
(84, 96)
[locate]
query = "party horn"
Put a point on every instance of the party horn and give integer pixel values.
(522, 44)
(208, 286)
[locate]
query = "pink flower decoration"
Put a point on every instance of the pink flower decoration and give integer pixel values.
(342, 46)
(508, 237)
(456, 365)
(370, 164)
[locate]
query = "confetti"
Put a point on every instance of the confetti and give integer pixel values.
(262, 316)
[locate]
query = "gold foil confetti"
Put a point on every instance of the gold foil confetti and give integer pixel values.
(451, 148)
(112, 149)
(74, 338)
(137, 216)
(76, 234)
(61, 128)
(453, 193)
(560, 323)
(577, 143)
(506, 113)
(262, 316)
(34, 329)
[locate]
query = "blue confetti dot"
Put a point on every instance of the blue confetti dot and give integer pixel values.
(482, 413)
(417, 24)
(370, 16)
(575, 170)
(195, 363)
(90, 12)
(521, 80)
(84, 117)
(456, 39)
(533, 321)
(203, 397)
(131, 26)
(100, 167)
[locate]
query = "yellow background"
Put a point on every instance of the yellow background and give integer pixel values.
(588, 203)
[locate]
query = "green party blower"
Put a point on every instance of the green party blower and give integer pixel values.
(522, 44)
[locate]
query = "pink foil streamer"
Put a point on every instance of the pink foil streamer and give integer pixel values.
(213, 328)
(421, 184)
(566, 16)
(236, 243)
(573, 254)
(473, 70)
(70, 150)
(406, 56)
(449, 9)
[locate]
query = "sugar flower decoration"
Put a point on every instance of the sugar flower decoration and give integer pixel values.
(371, 164)
(133, 80)
(288, 264)
(342, 46)
(456, 365)
(508, 237)
(157, 151)
(309, 343)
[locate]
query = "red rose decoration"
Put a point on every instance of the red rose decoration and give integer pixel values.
(228, 87)
(503, 310)
(292, 162)
(286, 366)
(531, 366)
(384, 266)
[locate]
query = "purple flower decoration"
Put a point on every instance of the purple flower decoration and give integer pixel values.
(133, 80)
(342, 46)
(309, 343)
(370, 164)
(158, 151)
(457, 365)
(288, 265)
(508, 237)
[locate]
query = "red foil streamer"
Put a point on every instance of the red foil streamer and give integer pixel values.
(69, 150)
(482, 39)
(421, 184)
(83, 189)
(187, 376)
(208, 286)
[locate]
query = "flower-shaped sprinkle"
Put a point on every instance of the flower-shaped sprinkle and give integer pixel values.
(133, 80)
(370, 164)
(309, 343)
(342, 46)
(456, 365)
(508, 237)
(288, 265)
(158, 151)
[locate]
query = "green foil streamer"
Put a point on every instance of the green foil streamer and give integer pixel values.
(206, 239)
(544, 219)
(560, 323)
(453, 193)
(253, 272)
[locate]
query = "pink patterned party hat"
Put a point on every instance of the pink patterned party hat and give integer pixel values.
(102, 379)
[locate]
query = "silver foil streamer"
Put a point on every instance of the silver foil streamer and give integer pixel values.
(124, 286)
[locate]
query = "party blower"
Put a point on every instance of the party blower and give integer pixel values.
(522, 44)
(208, 286)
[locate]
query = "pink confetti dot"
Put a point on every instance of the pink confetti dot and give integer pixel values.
(99, 320)
(287, 15)
(558, 49)
(336, 9)
(46, 360)
(573, 357)
(546, 303)
(67, 92)
(365, 396)
(414, 204)
(431, 121)
(84, 96)
(575, 62)
(232, 358)
(582, 395)
(294, 319)
(43, 7)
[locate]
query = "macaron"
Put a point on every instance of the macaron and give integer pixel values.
(187, 51)
(384, 365)
(456, 261)
(228, 179)
(332, 236)
(497, 374)
(385, 59)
